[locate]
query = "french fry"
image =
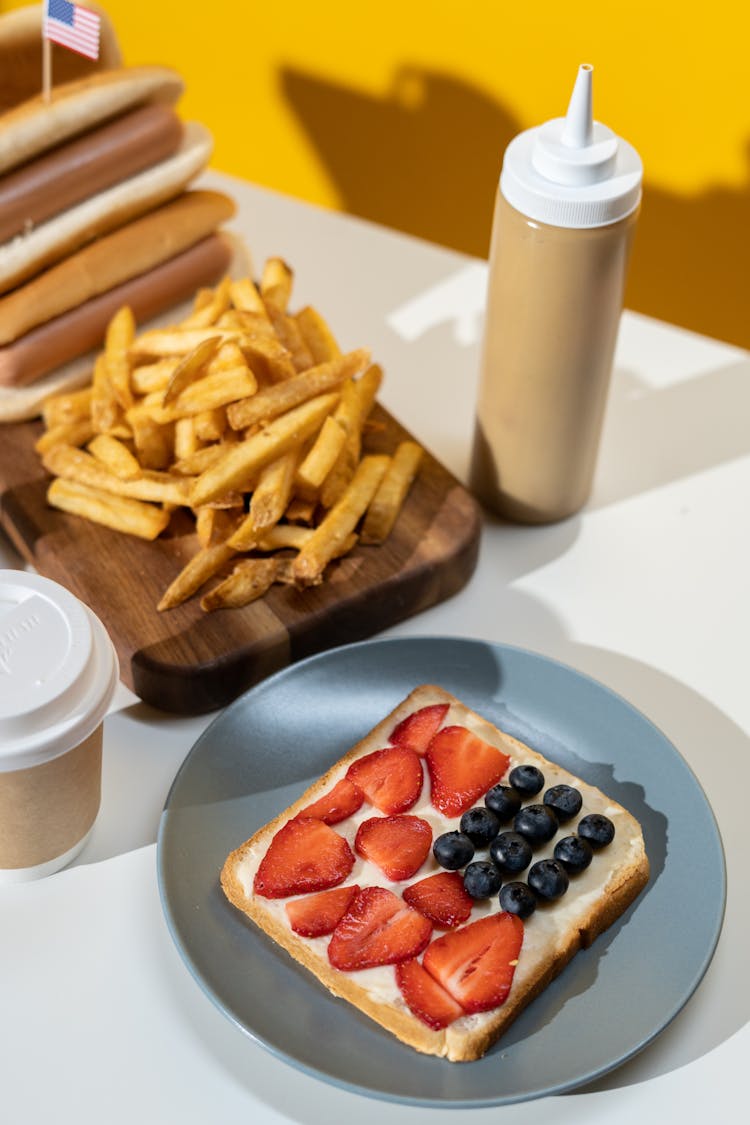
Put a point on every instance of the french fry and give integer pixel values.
(317, 335)
(203, 296)
(210, 425)
(190, 368)
(186, 441)
(287, 330)
(219, 388)
(242, 461)
(269, 500)
(247, 323)
(164, 343)
(228, 357)
(211, 308)
(78, 465)
(154, 441)
(197, 571)
(389, 498)
(71, 406)
(284, 535)
(116, 512)
(321, 458)
(215, 525)
(300, 511)
(232, 501)
(119, 336)
(66, 433)
(341, 520)
(357, 399)
(250, 580)
(276, 284)
(267, 357)
(246, 297)
(199, 461)
(270, 402)
(114, 456)
(151, 378)
(291, 536)
(105, 409)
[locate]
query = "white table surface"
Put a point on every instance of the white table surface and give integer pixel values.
(646, 591)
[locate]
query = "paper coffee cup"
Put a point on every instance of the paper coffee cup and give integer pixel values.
(58, 672)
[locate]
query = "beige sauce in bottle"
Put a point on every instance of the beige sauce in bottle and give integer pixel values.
(553, 308)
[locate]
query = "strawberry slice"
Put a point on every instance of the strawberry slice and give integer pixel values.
(441, 898)
(316, 915)
(336, 805)
(427, 999)
(398, 845)
(462, 768)
(377, 929)
(416, 730)
(305, 855)
(390, 779)
(476, 963)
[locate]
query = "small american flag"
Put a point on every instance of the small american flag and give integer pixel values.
(72, 26)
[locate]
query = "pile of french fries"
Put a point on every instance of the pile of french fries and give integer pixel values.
(244, 413)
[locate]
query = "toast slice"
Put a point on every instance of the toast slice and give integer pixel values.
(460, 1006)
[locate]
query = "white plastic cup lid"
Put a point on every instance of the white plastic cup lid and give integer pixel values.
(58, 670)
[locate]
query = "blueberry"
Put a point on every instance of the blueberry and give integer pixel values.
(527, 780)
(480, 825)
(573, 853)
(597, 829)
(548, 878)
(564, 800)
(510, 852)
(516, 898)
(504, 800)
(536, 822)
(482, 879)
(453, 850)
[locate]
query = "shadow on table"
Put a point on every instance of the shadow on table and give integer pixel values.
(424, 157)
(655, 436)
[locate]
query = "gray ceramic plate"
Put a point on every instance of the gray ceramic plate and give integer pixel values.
(609, 1003)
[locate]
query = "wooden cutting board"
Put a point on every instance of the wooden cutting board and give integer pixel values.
(189, 662)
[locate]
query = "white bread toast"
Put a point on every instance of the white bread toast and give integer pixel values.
(552, 935)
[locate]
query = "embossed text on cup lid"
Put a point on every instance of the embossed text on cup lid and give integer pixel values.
(58, 670)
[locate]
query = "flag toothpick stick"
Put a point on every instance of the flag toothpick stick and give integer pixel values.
(46, 70)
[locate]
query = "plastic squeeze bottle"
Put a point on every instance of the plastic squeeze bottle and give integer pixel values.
(566, 208)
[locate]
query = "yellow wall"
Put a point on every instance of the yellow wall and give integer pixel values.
(399, 111)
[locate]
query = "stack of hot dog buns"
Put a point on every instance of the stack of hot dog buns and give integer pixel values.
(94, 214)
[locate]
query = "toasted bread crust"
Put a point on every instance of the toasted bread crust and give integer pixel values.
(469, 1038)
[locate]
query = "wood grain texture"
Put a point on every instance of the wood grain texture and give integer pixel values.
(189, 662)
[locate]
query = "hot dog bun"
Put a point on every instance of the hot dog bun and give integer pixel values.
(28, 253)
(85, 166)
(157, 298)
(20, 71)
(34, 126)
(117, 257)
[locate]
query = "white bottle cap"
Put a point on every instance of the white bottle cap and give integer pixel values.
(572, 171)
(58, 670)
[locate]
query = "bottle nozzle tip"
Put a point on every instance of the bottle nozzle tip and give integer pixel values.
(579, 121)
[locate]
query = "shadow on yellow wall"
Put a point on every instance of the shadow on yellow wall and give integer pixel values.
(425, 159)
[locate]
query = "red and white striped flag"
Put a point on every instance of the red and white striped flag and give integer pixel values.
(72, 26)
